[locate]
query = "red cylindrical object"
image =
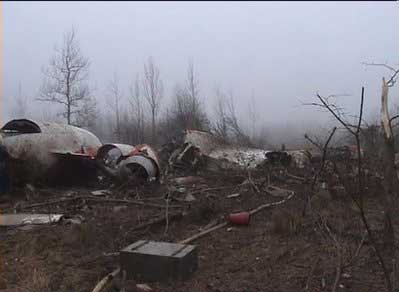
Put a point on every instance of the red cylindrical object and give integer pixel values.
(241, 218)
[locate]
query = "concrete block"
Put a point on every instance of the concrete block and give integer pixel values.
(151, 261)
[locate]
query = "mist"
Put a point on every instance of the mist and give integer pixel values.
(276, 56)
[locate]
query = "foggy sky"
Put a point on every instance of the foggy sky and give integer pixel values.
(284, 52)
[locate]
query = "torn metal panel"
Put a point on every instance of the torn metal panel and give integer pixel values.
(239, 156)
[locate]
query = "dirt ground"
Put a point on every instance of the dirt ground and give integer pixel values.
(280, 250)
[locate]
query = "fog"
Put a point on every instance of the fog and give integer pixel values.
(280, 53)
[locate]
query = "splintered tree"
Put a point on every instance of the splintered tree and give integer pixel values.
(391, 182)
(153, 92)
(65, 81)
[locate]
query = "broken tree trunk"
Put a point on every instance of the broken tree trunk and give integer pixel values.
(390, 185)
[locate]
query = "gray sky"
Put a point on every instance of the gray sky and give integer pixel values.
(284, 51)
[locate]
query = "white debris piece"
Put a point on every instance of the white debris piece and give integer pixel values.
(24, 219)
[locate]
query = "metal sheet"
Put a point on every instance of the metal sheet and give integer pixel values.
(23, 219)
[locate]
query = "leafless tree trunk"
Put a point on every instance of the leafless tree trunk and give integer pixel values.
(253, 115)
(138, 111)
(357, 195)
(153, 93)
(233, 123)
(391, 182)
(187, 111)
(114, 101)
(21, 103)
(86, 116)
(66, 76)
(220, 124)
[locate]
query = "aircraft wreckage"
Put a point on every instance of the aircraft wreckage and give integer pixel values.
(55, 152)
(202, 149)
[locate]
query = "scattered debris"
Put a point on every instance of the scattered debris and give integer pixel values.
(188, 180)
(189, 198)
(236, 195)
(78, 219)
(26, 218)
(241, 218)
(277, 191)
(143, 287)
(101, 193)
(118, 208)
(202, 148)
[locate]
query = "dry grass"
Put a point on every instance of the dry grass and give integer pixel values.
(286, 221)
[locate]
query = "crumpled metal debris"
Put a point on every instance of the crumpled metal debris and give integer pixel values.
(125, 161)
(203, 147)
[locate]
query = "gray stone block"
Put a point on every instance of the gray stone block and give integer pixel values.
(151, 261)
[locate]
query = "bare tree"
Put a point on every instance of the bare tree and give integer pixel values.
(153, 92)
(234, 125)
(187, 110)
(66, 76)
(86, 116)
(253, 114)
(21, 103)
(114, 102)
(357, 193)
(138, 111)
(221, 119)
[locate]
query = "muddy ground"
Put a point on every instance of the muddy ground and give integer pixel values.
(280, 250)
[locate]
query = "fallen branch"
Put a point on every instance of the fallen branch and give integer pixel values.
(202, 233)
(156, 221)
(260, 208)
(106, 280)
(295, 177)
(166, 216)
(98, 200)
(310, 275)
(62, 200)
(221, 225)
(214, 189)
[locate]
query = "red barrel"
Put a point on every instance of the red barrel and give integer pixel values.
(241, 218)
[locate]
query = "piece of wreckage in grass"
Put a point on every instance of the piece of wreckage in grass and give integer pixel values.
(44, 152)
(123, 162)
(203, 149)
